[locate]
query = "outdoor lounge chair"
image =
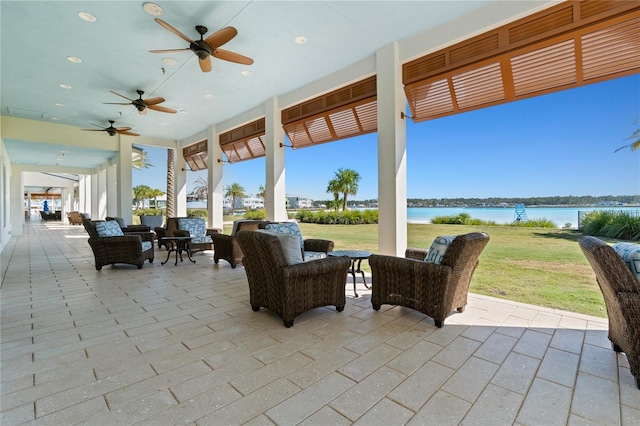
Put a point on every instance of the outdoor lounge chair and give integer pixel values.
(621, 292)
(431, 288)
(226, 246)
(110, 245)
(172, 229)
(290, 290)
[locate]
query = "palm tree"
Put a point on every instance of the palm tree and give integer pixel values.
(141, 162)
(235, 191)
(262, 192)
(140, 193)
(171, 182)
(348, 183)
(155, 193)
(201, 189)
(635, 137)
(335, 189)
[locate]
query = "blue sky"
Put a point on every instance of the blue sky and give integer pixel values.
(558, 144)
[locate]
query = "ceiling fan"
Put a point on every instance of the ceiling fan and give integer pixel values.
(142, 104)
(113, 130)
(205, 48)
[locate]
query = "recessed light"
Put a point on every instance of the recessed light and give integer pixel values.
(183, 112)
(65, 86)
(164, 123)
(152, 9)
(246, 73)
(74, 59)
(208, 96)
(169, 61)
(300, 39)
(55, 118)
(60, 104)
(87, 16)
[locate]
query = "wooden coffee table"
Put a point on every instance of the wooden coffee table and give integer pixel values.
(355, 256)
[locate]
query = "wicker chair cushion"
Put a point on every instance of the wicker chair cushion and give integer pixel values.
(314, 255)
(290, 247)
(194, 225)
(146, 245)
(287, 228)
(439, 248)
(110, 228)
(630, 253)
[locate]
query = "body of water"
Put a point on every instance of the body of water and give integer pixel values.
(558, 215)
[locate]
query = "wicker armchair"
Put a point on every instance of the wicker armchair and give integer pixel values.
(290, 290)
(171, 229)
(119, 249)
(621, 292)
(433, 289)
(226, 246)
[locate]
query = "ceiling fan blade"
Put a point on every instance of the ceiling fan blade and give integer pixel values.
(173, 30)
(153, 101)
(221, 37)
(169, 50)
(117, 103)
(205, 64)
(129, 133)
(162, 109)
(232, 57)
(122, 96)
(122, 129)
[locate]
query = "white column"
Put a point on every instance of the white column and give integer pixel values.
(125, 180)
(108, 184)
(392, 153)
(215, 195)
(275, 186)
(16, 191)
(180, 168)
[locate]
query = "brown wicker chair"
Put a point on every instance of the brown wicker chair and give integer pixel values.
(171, 230)
(290, 290)
(433, 289)
(621, 292)
(121, 249)
(226, 246)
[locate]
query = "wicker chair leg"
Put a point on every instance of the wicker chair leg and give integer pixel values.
(340, 308)
(438, 323)
(255, 308)
(376, 307)
(288, 324)
(139, 265)
(461, 309)
(616, 347)
(637, 382)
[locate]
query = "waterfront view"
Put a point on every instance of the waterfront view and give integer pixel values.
(505, 215)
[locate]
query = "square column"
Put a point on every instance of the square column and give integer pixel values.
(392, 154)
(275, 186)
(215, 196)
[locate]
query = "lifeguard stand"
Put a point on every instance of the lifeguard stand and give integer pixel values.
(520, 214)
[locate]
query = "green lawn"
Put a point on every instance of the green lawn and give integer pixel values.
(543, 267)
(538, 266)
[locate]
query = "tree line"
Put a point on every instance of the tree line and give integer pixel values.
(560, 200)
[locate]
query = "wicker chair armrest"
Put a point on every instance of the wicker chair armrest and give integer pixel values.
(319, 245)
(630, 305)
(326, 266)
(392, 266)
(160, 231)
(211, 231)
(416, 253)
(181, 233)
(120, 239)
(145, 236)
(222, 238)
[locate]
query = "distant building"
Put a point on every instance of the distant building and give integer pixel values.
(300, 202)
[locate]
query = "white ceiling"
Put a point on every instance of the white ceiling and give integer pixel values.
(38, 36)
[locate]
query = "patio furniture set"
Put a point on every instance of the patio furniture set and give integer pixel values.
(435, 281)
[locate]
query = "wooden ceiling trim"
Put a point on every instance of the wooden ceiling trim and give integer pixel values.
(603, 49)
(345, 112)
(244, 142)
(196, 155)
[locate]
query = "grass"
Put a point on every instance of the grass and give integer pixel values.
(538, 266)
